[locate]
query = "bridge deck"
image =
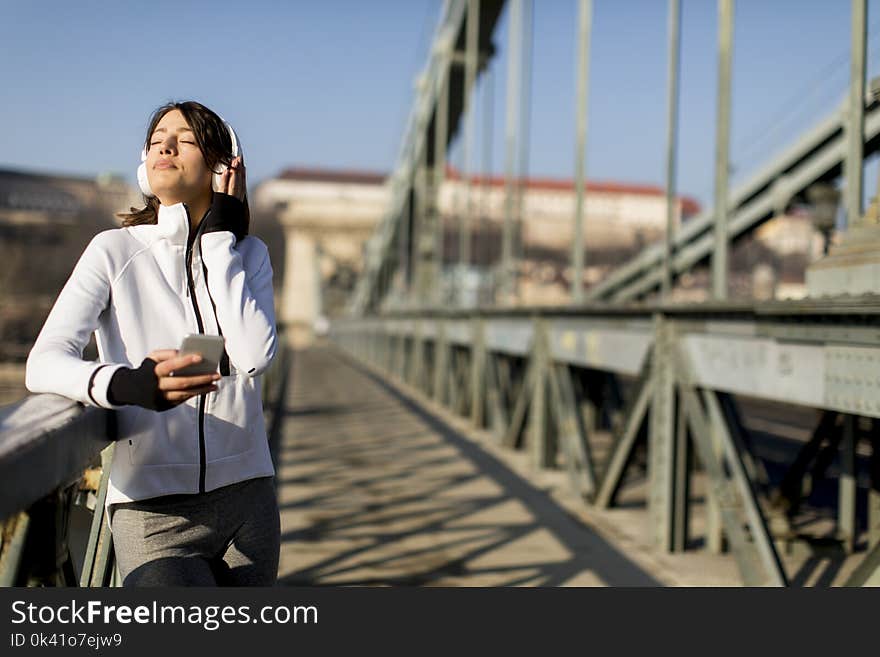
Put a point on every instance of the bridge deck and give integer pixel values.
(376, 489)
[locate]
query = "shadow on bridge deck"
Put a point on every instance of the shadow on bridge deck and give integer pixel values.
(376, 490)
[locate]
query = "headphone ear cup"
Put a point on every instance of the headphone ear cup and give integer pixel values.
(143, 181)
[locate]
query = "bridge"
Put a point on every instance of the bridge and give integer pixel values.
(624, 438)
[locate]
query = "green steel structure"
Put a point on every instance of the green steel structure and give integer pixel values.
(542, 378)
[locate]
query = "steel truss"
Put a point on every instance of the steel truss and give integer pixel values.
(544, 379)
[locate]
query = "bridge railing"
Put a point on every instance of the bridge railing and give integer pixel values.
(554, 381)
(54, 468)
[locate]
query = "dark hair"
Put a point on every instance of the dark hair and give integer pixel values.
(213, 140)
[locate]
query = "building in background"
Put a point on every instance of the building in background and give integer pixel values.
(328, 216)
(46, 221)
(30, 198)
(619, 220)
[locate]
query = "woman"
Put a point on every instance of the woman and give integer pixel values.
(191, 498)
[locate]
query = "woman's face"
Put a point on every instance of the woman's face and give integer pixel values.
(176, 168)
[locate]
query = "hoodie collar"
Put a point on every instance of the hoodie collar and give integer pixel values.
(173, 222)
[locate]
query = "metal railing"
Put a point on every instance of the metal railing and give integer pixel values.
(669, 378)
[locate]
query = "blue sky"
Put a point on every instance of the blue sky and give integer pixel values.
(329, 83)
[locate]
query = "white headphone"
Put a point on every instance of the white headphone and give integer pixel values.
(144, 182)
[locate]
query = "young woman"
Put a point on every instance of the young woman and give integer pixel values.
(191, 498)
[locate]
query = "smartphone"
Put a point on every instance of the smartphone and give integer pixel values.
(210, 347)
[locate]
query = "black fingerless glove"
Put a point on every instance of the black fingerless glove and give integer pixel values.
(139, 387)
(227, 213)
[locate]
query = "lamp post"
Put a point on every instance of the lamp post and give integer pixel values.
(825, 199)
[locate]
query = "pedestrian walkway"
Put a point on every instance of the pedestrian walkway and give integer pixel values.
(375, 490)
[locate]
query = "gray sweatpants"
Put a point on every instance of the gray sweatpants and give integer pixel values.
(225, 537)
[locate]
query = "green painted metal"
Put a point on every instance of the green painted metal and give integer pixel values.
(661, 438)
(472, 44)
(729, 506)
(478, 375)
(573, 436)
(855, 127)
(728, 503)
(538, 431)
(404, 256)
(671, 141)
(423, 238)
(87, 575)
(441, 365)
(455, 393)
(714, 525)
(867, 573)
(753, 466)
(722, 149)
(623, 445)
(105, 562)
(846, 506)
(441, 138)
(774, 573)
(495, 399)
(518, 416)
(12, 553)
(415, 362)
(716, 432)
(585, 19)
(511, 138)
(681, 488)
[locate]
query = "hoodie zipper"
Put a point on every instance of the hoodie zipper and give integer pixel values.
(191, 293)
(224, 359)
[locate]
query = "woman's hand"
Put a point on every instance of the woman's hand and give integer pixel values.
(233, 180)
(177, 389)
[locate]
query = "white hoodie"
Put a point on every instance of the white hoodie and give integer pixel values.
(131, 288)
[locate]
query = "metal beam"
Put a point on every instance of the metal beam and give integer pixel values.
(623, 446)
(89, 576)
(511, 134)
(661, 438)
(682, 486)
(671, 142)
(867, 573)
(855, 125)
(495, 399)
(758, 530)
(521, 405)
(585, 15)
(846, 505)
(470, 114)
(729, 504)
(540, 442)
(478, 374)
(13, 546)
(570, 429)
(722, 149)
